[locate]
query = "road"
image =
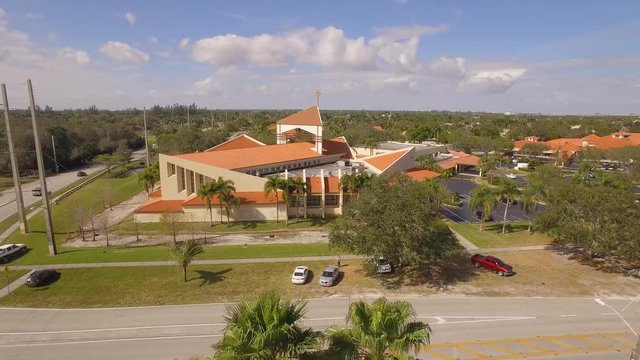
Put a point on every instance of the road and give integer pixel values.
(170, 332)
(54, 183)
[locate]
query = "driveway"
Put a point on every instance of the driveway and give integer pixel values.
(463, 187)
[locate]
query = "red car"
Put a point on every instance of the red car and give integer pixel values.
(492, 263)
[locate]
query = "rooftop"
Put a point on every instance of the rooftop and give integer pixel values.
(309, 116)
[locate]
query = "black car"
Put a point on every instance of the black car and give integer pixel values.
(41, 277)
(81, 173)
(479, 216)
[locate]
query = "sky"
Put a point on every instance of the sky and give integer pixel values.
(543, 56)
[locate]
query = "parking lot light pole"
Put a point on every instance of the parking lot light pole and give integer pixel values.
(602, 303)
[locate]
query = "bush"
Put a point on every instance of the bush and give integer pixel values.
(118, 172)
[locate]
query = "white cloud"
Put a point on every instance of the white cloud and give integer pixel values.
(2, 12)
(123, 52)
(454, 68)
(410, 31)
(52, 36)
(184, 43)
(130, 17)
(34, 16)
(153, 40)
(164, 54)
(403, 83)
(79, 56)
(327, 47)
(493, 81)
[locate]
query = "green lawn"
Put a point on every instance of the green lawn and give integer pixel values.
(7, 277)
(127, 226)
(492, 237)
(159, 285)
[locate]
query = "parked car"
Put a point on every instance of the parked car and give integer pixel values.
(511, 176)
(11, 251)
(512, 202)
(81, 173)
(36, 191)
(300, 275)
(492, 263)
(383, 266)
(479, 216)
(41, 277)
(329, 276)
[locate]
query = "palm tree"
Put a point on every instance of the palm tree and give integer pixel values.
(149, 177)
(508, 191)
(371, 144)
(266, 328)
(437, 192)
(223, 186)
(482, 197)
(207, 191)
(287, 189)
(380, 330)
(529, 203)
(184, 254)
(273, 185)
(429, 162)
(230, 204)
(350, 181)
(300, 188)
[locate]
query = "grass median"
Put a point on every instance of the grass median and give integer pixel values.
(492, 236)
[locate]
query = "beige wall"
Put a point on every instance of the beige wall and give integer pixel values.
(404, 163)
(169, 183)
(245, 212)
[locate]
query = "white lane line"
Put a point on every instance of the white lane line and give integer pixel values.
(327, 318)
(109, 340)
(110, 329)
(456, 215)
(568, 315)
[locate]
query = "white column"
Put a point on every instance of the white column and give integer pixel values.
(341, 201)
(286, 174)
(304, 178)
(323, 191)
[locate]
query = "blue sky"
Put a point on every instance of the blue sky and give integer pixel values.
(546, 56)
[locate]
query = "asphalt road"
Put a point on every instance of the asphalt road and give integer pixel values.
(171, 332)
(54, 183)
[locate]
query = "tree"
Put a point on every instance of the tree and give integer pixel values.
(371, 144)
(508, 191)
(123, 152)
(429, 162)
(184, 254)
(286, 186)
(482, 197)
(300, 189)
(273, 185)
(171, 223)
(104, 222)
(223, 187)
(355, 182)
(487, 163)
(107, 160)
(534, 149)
(396, 218)
(379, 331)
(149, 177)
(207, 191)
(266, 328)
(529, 203)
(231, 203)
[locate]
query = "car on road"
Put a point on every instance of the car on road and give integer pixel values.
(479, 216)
(492, 263)
(300, 274)
(329, 276)
(36, 191)
(511, 176)
(41, 277)
(383, 266)
(11, 251)
(81, 173)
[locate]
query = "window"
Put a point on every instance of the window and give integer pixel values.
(171, 169)
(181, 182)
(331, 199)
(200, 179)
(314, 200)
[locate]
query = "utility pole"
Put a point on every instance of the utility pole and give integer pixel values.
(22, 216)
(211, 118)
(55, 158)
(146, 139)
(43, 180)
(188, 119)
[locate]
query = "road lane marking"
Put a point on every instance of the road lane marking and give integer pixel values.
(568, 315)
(110, 329)
(79, 342)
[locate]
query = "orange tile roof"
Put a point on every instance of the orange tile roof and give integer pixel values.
(239, 142)
(252, 157)
(156, 193)
(421, 174)
(591, 137)
(459, 158)
(154, 206)
(383, 161)
(558, 143)
(521, 143)
(246, 197)
(331, 184)
(378, 128)
(310, 116)
(335, 146)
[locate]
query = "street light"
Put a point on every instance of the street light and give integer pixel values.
(602, 303)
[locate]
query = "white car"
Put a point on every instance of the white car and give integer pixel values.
(10, 251)
(300, 274)
(511, 175)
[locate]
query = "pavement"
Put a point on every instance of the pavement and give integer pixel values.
(463, 328)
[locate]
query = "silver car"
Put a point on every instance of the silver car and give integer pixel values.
(329, 276)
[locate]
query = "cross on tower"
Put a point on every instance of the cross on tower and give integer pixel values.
(318, 93)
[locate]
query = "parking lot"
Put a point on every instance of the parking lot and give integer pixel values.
(463, 186)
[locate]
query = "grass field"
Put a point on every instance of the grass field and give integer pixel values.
(127, 226)
(492, 237)
(7, 277)
(538, 273)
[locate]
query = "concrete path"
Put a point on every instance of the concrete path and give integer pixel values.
(195, 262)
(464, 242)
(14, 285)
